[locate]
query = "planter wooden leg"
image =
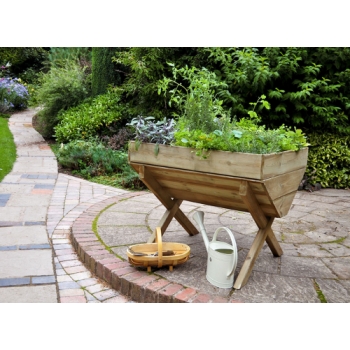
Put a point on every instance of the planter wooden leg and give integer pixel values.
(265, 233)
(252, 255)
(166, 219)
(166, 200)
(259, 217)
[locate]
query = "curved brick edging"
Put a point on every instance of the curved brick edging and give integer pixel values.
(140, 286)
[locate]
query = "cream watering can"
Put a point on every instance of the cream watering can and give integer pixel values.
(222, 257)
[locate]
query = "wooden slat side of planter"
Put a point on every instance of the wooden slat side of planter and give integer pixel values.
(218, 162)
(245, 165)
(210, 189)
(284, 162)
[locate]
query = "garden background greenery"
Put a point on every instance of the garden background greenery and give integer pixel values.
(88, 96)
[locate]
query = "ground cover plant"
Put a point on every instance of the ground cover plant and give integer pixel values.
(7, 147)
(93, 161)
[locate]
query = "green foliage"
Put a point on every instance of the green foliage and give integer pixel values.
(59, 56)
(22, 59)
(141, 68)
(308, 87)
(236, 136)
(91, 159)
(7, 147)
(329, 160)
(103, 70)
(242, 136)
(61, 88)
(198, 104)
(89, 118)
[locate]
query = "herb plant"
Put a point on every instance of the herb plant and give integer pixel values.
(148, 130)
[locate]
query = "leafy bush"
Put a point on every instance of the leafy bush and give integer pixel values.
(59, 56)
(329, 160)
(119, 140)
(141, 68)
(91, 159)
(61, 88)
(20, 59)
(306, 87)
(13, 94)
(90, 117)
(198, 103)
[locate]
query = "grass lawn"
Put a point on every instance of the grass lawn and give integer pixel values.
(7, 148)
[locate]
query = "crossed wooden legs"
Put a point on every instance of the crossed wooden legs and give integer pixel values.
(264, 222)
(172, 206)
(265, 233)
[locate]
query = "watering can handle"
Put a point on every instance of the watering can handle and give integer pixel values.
(234, 245)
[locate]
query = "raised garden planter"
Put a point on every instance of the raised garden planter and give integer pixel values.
(262, 184)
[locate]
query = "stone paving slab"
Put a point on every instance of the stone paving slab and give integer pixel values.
(29, 294)
(25, 263)
(22, 235)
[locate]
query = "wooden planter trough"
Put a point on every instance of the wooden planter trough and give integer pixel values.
(262, 184)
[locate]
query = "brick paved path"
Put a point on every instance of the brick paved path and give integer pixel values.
(37, 209)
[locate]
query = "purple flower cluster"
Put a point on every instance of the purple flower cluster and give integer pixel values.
(13, 95)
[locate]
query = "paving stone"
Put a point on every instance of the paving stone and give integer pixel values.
(22, 235)
(334, 291)
(68, 285)
(340, 266)
(117, 218)
(25, 263)
(305, 267)
(96, 288)
(29, 294)
(269, 288)
(43, 280)
(6, 282)
(11, 247)
(105, 294)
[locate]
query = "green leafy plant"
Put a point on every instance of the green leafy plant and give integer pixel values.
(93, 161)
(236, 136)
(198, 104)
(89, 118)
(329, 160)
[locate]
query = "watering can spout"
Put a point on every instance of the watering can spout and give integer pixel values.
(198, 217)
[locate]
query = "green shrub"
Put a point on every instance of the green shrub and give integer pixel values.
(92, 160)
(61, 88)
(59, 56)
(329, 160)
(89, 118)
